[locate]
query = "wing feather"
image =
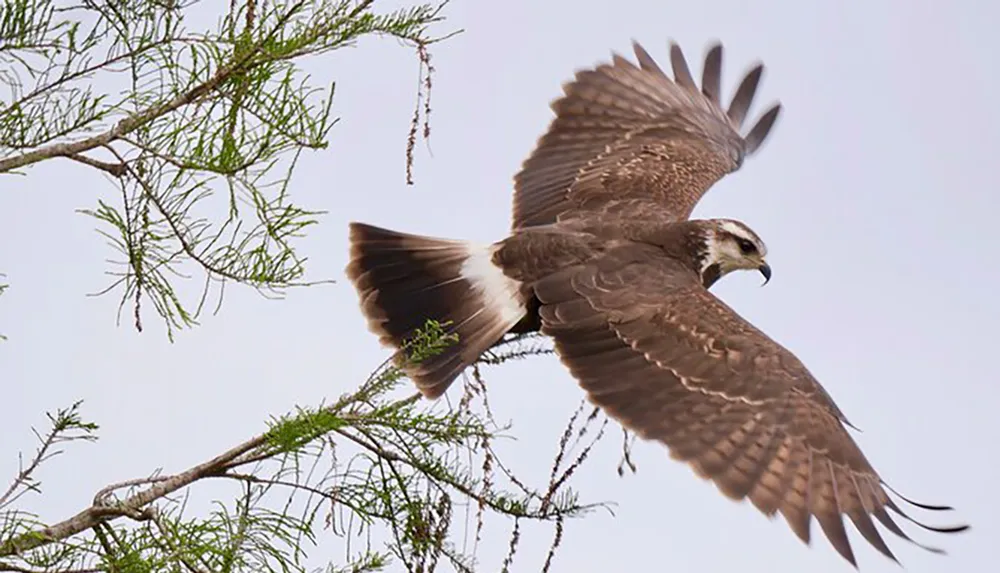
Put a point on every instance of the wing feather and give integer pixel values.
(622, 128)
(775, 479)
(759, 132)
(743, 98)
(646, 62)
(829, 510)
(711, 75)
(673, 363)
(751, 461)
(682, 75)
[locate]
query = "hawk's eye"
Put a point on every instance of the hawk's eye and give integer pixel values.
(746, 246)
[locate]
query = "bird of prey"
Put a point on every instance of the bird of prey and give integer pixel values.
(604, 259)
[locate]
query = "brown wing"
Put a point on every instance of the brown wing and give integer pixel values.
(626, 135)
(673, 363)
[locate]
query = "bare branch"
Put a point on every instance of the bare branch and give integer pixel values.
(64, 424)
(115, 169)
(97, 514)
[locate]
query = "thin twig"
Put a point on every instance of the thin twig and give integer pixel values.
(24, 476)
(115, 169)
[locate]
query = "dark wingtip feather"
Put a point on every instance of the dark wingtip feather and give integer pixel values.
(887, 521)
(711, 74)
(958, 528)
(646, 62)
(936, 528)
(758, 134)
(799, 521)
(682, 74)
(743, 98)
(946, 528)
(863, 523)
(833, 526)
(618, 60)
(914, 503)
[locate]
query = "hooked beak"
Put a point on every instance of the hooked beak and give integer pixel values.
(765, 269)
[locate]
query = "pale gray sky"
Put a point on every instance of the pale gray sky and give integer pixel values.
(876, 195)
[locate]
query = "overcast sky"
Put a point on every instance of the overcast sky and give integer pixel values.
(876, 195)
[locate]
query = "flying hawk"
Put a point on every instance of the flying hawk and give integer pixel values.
(603, 258)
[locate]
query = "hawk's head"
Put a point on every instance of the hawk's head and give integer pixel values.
(730, 246)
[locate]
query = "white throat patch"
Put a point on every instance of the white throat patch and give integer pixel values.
(713, 252)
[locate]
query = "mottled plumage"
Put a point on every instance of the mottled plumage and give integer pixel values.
(630, 141)
(603, 258)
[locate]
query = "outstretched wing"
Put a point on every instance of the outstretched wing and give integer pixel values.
(673, 363)
(627, 137)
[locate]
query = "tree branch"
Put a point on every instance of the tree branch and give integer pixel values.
(100, 513)
(18, 569)
(115, 169)
(137, 120)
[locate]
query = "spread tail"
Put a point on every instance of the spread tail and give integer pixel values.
(405, 280)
